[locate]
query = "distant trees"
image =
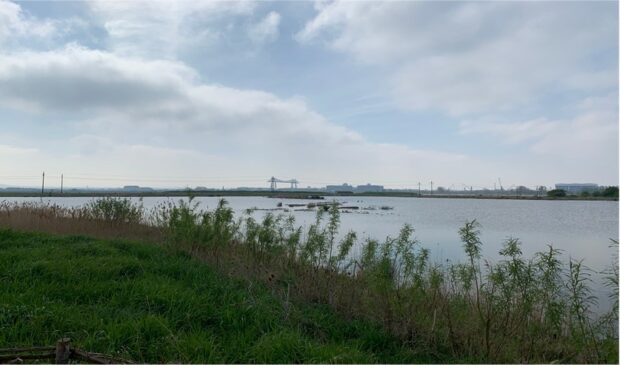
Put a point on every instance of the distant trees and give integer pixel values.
(609, 192)
(556, 193)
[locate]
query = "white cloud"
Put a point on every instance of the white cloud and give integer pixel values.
(171, 123)
(78, 79)
(7, 151)
(588, 141)
(513, 133)
(467, 58)
(163, 28)
(590, 137)
(266, 30)
(131, 113)
(15, 24)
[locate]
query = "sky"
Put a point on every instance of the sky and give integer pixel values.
(225, 94)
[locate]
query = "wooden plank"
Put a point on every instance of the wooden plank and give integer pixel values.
(91, 358)
(27, 349)
(8, 358)
(98, 358)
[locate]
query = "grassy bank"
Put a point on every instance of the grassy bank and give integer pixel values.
(520, 309)
(152, 304)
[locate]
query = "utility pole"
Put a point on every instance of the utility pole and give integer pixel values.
(43, 184)
(61, 182)
(419, 189)
(431, 188)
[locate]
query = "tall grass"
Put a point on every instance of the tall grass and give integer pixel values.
(519, 309)
(154, 305)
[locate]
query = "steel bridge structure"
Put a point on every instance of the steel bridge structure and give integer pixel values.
(274, 183)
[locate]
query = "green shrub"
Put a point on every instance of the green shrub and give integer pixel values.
(115, 210)
(556, 193)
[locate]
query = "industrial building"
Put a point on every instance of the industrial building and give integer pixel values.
(369, 188)
(578, 188)
(346, 188)
(340, 188)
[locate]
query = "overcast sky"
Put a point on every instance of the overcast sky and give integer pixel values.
(232, 93)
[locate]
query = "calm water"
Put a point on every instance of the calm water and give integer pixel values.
(582, 229)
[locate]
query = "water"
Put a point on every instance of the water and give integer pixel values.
(582, 229)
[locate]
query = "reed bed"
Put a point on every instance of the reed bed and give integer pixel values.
(520, 309)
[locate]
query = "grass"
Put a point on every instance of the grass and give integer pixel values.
(518, 309)
(153, 304)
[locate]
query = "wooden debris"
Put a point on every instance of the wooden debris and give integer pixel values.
(62, 353)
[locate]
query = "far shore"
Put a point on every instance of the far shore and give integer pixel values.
(283, 194)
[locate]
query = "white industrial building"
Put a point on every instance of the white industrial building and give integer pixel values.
(577, 188)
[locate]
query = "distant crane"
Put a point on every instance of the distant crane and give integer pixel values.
(274, 183)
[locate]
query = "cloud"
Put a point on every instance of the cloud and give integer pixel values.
(266, 30)
(15, 24)
(512, 133)
(78, 79)
(590, 137)
(105, 163)
(134, 109)
(139, 92)
(468, 58)
(156, 116)
(162, 28)
(588, 141)
(12, 151)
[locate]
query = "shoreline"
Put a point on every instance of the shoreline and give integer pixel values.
(310, 195)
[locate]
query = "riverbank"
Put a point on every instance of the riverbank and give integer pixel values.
(520, 309)
(155, 304)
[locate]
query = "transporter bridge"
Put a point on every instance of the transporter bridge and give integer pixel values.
(274, 183)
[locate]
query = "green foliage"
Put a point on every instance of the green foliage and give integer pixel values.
(115, 210)
(611, 277)
(556, 193)
(344, 249)
(549, 268)
(332, 228)
(185, 222)
(314, 249)
(470, 236)
(610, 191)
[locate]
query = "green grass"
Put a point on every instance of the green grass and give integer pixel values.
(153, 304)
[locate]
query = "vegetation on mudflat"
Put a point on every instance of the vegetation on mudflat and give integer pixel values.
(517, 310)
